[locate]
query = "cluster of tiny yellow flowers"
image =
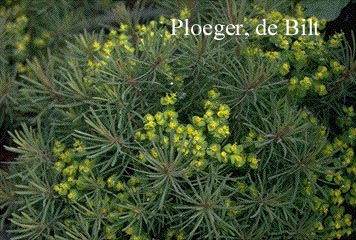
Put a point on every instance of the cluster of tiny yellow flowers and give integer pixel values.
(150, 33)
(127, 42)
(341, 177)
(169, 99)
(23, 39)
(298, 54)
(121, 197)
(185, 13)
(176, 235)
(347, 118)
(17, 29)
(130, 232)
(252, 141)
(339, 222)
(79, 180)
(285, 68)
(346, 143)
(336, 40)
(201, 138)
(115, 45)
(72, 169)
(335, 220)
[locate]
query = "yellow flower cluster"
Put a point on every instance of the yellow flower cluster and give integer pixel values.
(169, 99)
(285, 68)
(322, 73)
(254, 139)
(341, 177)
(336, 40)
(185, 13)
(298, 54)
(173, 234)
(129, 41)
(336, 67)
(348, 118)
(71, 168)
(16, 28)
(200, 139)
(337, 221)
(305, 83)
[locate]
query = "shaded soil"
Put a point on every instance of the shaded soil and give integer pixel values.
(5, 156)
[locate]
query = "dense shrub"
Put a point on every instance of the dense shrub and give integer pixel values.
(29, 28)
